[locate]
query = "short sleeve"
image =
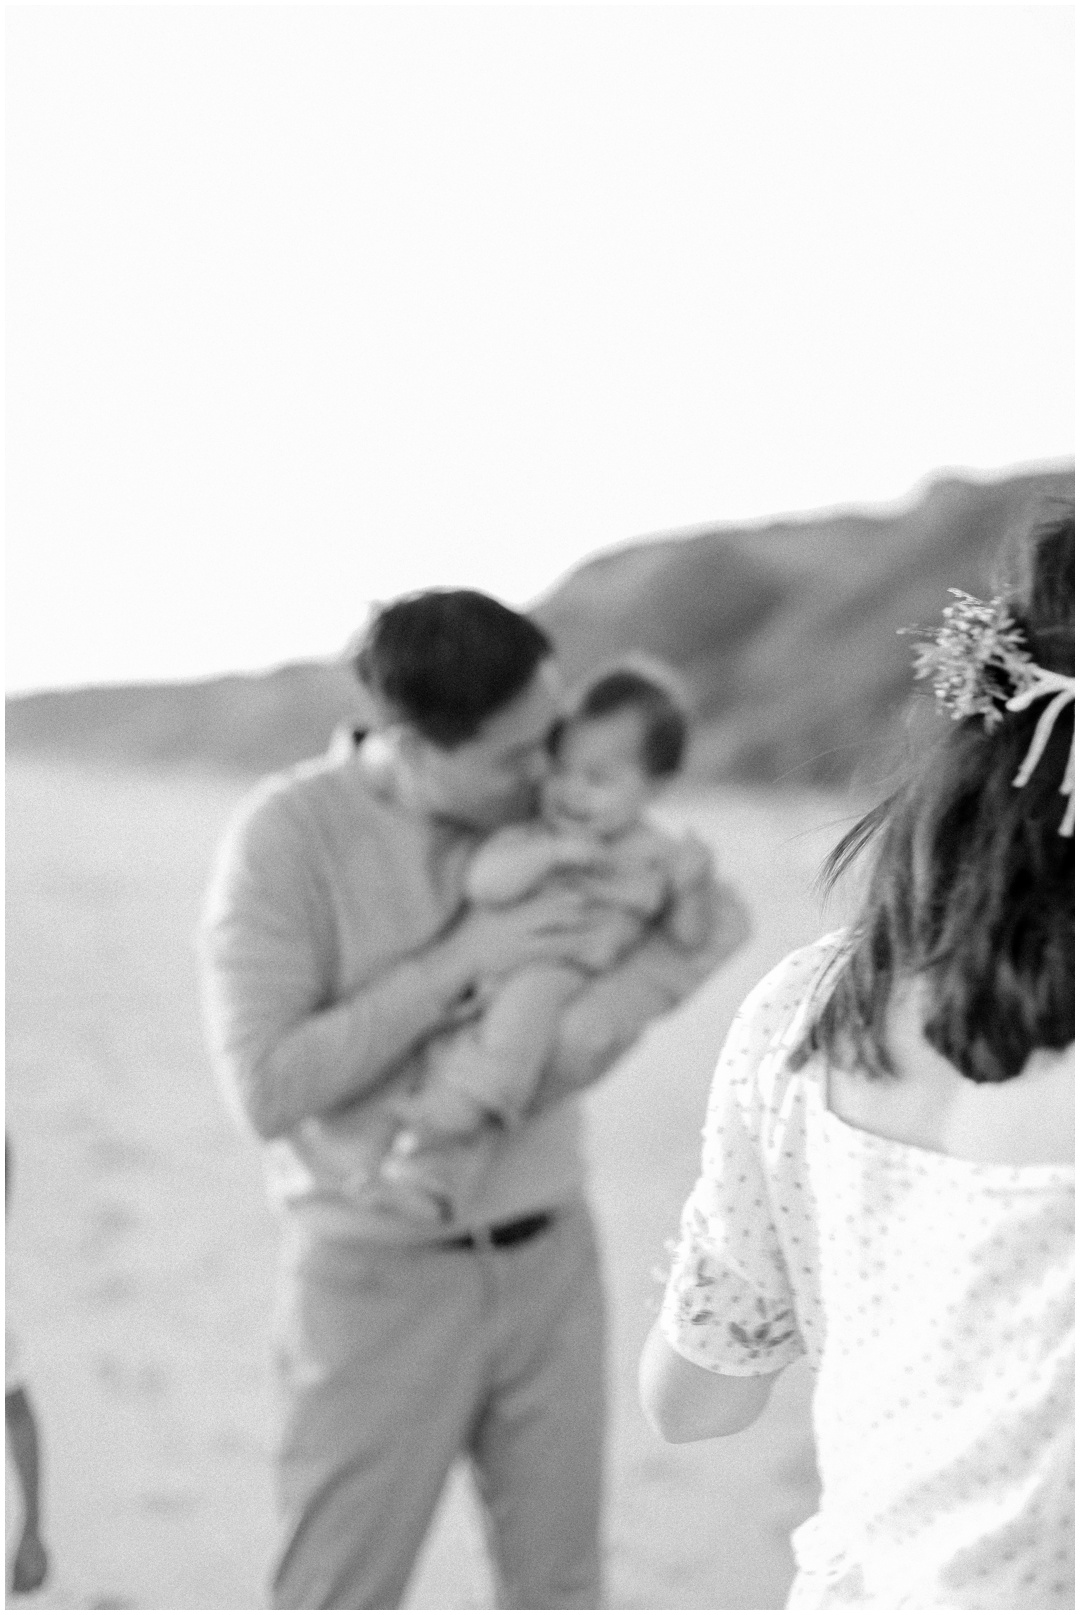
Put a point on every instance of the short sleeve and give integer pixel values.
(728, 1305)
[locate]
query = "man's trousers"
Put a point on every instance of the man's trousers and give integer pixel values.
(395, 1360)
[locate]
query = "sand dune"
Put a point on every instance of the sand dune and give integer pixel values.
(141, 1249)
(735, 608)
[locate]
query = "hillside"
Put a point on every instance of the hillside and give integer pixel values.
(785, 631)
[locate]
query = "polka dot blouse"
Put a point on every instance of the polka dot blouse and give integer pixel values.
(934, 1297)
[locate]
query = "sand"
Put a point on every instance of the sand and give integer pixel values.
(141, 1249)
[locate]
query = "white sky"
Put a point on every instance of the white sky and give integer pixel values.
(309, 305)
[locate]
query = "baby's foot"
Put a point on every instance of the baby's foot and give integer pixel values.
(411, 1190)
(409, 1141)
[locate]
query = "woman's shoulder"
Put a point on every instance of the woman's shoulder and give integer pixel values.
(751, 1071)
(792, 985)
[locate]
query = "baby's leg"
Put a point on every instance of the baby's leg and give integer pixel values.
(475, 1079)
(499, 1063)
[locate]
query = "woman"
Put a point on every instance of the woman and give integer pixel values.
(887, 1182)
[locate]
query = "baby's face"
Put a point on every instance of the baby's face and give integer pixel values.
(598, 784)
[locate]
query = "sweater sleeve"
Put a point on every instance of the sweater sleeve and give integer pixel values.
(282, 1047)
(265, 961)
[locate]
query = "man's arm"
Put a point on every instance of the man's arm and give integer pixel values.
(611, 1014)
(283, 1050)
(514, 861)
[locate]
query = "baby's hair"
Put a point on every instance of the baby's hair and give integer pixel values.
(649, 689)
(971, 884)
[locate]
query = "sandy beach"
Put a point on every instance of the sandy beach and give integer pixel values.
(141, 1250)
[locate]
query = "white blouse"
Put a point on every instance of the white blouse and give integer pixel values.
(934, 1297)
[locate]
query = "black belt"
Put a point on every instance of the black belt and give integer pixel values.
(504, 1233)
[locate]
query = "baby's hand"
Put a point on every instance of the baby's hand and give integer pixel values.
(693, 861)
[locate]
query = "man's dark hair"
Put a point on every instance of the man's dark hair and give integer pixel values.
(971, 886)
(664, 721)
(445, 660)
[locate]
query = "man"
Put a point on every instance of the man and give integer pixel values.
(335, 949)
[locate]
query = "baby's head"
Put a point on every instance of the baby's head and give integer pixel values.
(623, 738)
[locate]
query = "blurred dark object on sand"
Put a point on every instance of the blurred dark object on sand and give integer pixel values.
(785, 631)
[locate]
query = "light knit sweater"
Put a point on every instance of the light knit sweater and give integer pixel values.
(325, 883)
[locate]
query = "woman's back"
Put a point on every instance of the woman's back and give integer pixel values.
(943, 1404)
(886, 1179)
(1026, 1121)
(931, 1287)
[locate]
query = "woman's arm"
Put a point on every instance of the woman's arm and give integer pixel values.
(683, 1402)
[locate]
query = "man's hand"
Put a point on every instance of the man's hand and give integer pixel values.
(551, 928)
(515, 864)
(31, 1563)
(609, 937)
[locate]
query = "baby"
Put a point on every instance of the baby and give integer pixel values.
(623, 740)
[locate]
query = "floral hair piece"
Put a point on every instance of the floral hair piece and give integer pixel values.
(979, 668)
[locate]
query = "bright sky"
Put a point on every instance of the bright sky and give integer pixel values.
(310, 305)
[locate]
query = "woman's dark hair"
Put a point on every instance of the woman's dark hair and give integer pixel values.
(445, 660)
(650, 693)
(971, 883)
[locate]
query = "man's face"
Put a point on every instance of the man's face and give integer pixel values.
(494, 778)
